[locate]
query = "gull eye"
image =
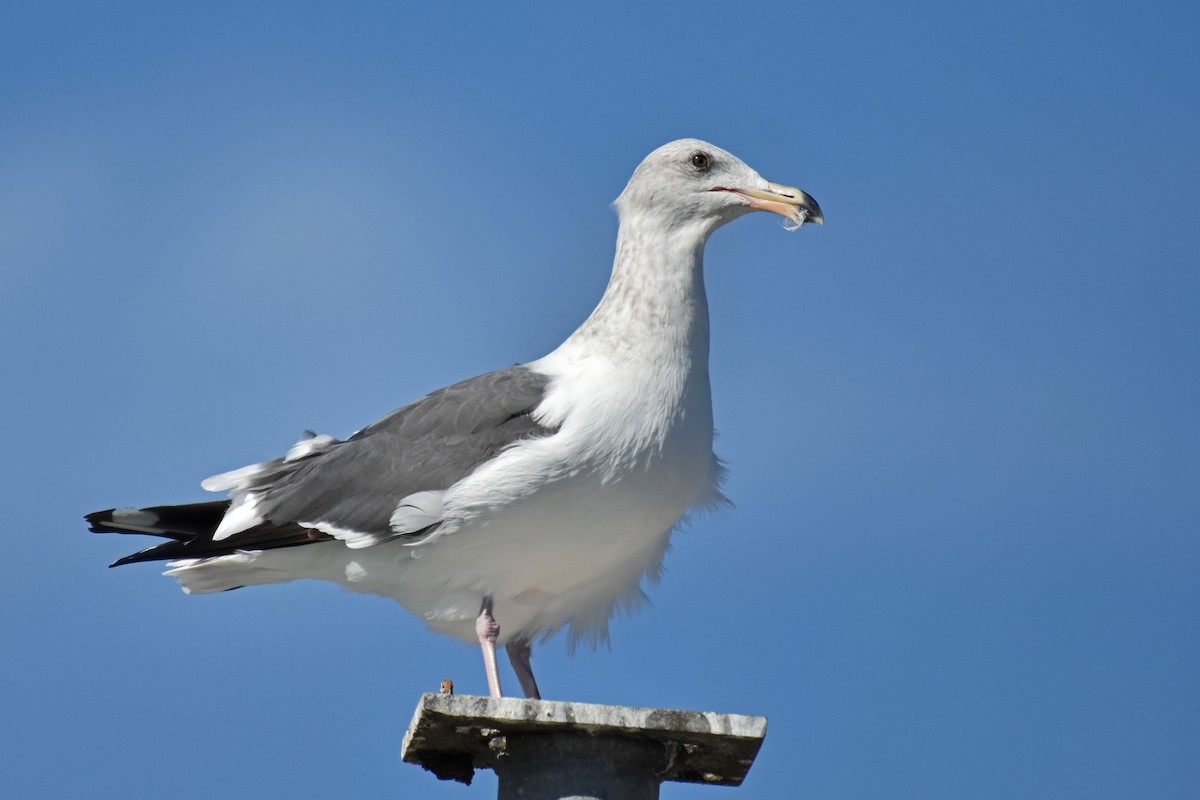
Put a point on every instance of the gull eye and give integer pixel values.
(701, 161)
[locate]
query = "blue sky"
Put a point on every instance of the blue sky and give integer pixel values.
(960, 419)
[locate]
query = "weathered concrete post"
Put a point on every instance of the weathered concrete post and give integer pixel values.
(546, 750)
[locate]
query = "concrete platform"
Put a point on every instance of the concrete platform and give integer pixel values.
(545, 748)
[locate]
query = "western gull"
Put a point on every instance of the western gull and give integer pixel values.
(507, 507)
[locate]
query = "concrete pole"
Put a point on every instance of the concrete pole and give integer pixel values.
(544, 750)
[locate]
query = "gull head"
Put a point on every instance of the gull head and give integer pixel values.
(689, 183)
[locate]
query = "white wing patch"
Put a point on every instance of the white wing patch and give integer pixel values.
(355, 540)
(309, 445)
(242, 515)
(416, 512)
(235, 479)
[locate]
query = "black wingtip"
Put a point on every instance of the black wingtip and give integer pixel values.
(189, 530)
(134, 558)
(165, 551)
(96, 520)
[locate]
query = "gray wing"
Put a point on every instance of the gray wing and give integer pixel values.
(355, 490)
(356, 486)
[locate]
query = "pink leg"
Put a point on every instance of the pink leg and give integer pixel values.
(518, 655)
(489, 630)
